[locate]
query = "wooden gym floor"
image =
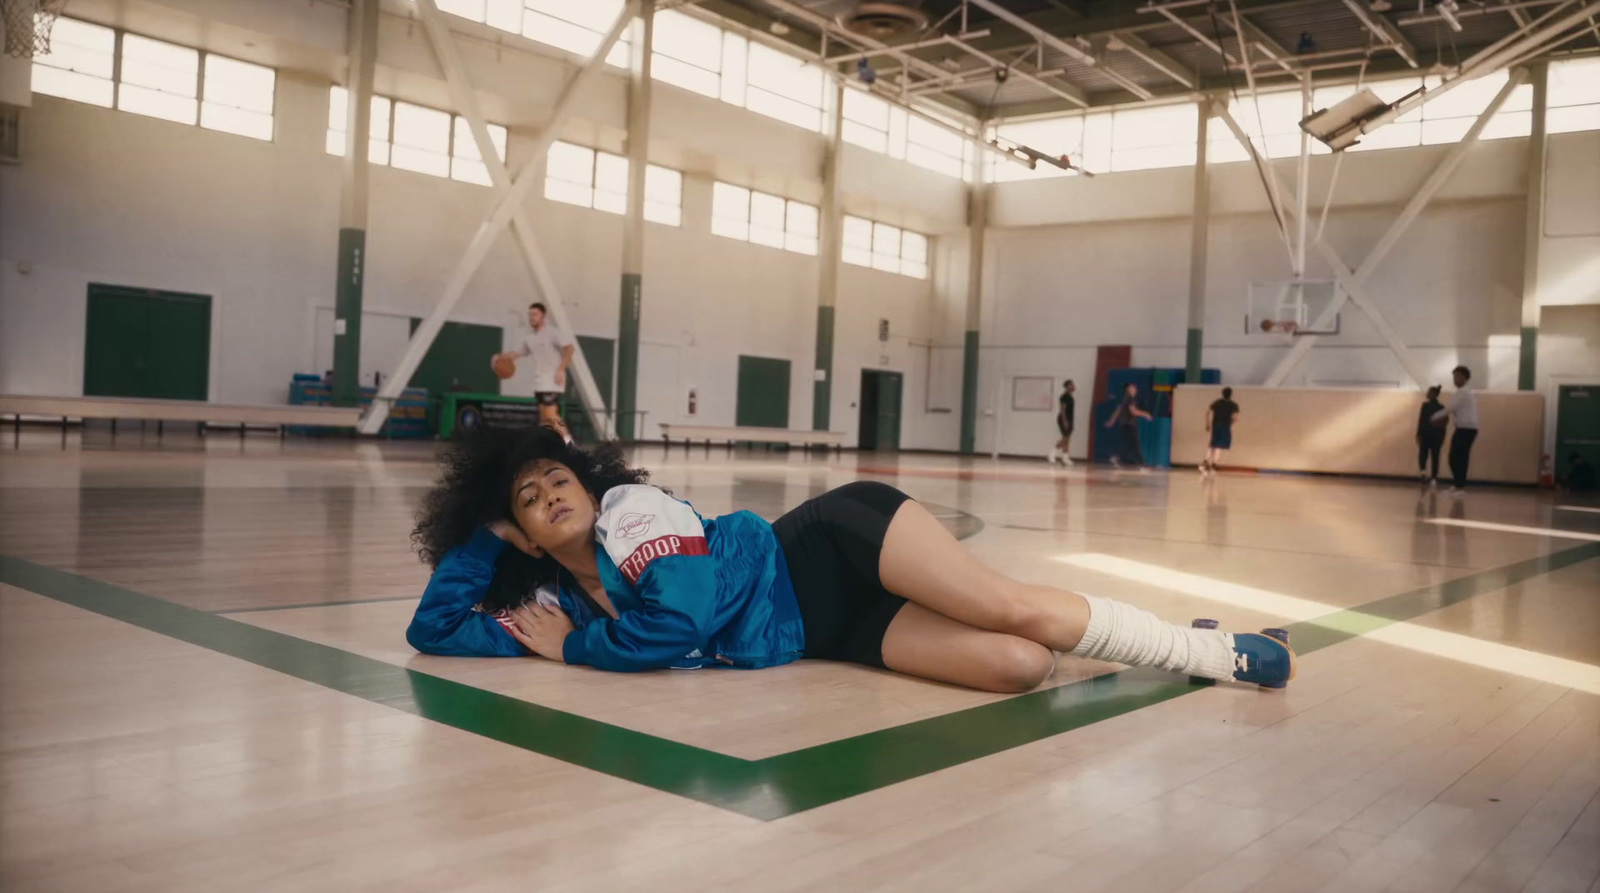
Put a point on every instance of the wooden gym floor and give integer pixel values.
(204, 686)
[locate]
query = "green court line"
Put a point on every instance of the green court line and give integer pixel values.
(1314, 635)
(765, 789)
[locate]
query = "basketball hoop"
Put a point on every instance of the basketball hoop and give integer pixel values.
(1293, 307)
(28, 24)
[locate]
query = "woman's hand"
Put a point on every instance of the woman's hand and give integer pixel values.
(512, 534)
(541, 630)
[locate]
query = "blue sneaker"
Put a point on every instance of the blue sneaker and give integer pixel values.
(1263, 658)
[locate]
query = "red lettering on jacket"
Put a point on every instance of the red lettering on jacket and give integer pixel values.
(634, 565)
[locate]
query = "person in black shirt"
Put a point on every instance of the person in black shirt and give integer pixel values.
(1430, 437)
(1128, 415)
(1219, 421)
(1065, 416)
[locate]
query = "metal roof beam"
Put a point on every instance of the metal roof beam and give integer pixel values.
(1268, 47)
(1384, 30)
(1156, 59)
(1189, 28)
(1385, 66)
(1064, 89)
(1078, 49)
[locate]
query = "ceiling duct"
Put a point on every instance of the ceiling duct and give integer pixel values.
(884, 21)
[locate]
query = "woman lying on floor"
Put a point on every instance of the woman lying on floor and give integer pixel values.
(546, 548)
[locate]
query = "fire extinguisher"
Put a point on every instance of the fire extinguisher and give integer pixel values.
(694, 401)
(1547, 472)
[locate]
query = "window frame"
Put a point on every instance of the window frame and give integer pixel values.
(457, 127)
(655, 210)
(781, 237)
(860, 241)
(117, 77)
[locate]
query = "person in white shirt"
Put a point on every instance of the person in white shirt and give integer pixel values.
(1464, 409)
(550, 352)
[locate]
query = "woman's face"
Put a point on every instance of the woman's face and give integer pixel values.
(552, 507)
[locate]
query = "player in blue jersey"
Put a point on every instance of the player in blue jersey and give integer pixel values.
(540, 547)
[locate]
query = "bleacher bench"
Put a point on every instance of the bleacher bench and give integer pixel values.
(731, 434)
(197, 411)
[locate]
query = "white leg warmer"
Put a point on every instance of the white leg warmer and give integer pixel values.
(1123, 634)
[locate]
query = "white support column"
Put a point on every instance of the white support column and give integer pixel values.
(508, 204)
(362, 49)
(830, 232)
(1356, 289)
(977, 228)
(1303, 182)
(1440, 174)
(1199, 245)
(465, 99)
(630, 306)
(1533, 230)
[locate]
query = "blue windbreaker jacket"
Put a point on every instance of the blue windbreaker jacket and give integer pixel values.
(689, 592)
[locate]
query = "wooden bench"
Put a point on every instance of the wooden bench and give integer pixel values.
(161, 411)
(732, 434)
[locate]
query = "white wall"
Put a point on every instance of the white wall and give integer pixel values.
(1075, 263)
(1569, 261)
(114, 197)
(1070, 264)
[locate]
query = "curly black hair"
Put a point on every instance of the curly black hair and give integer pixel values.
(474, 489)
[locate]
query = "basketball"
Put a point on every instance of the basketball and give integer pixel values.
(504, 366)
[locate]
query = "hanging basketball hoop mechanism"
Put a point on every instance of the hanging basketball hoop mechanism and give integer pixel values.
(1292, 307)
(28, 24)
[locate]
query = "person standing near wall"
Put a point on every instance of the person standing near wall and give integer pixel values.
(1128, 415)
(1464, 409)
(1065, 416)
(1219, 422)
(1430, 437)
(551, 353)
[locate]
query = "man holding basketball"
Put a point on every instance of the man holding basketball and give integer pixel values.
(551, 353)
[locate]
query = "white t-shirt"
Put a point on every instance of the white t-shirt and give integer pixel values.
(1464, 407)
(543, 350)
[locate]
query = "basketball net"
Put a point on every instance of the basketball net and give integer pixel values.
(28, 24)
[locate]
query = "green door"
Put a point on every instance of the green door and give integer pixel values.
(145, 343)
(888, 408)
(600, 353)
(1577, 424)
(458, 360)
(879, 418)
(763, 397)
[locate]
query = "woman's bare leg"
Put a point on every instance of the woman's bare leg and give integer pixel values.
(550, 415)
(922, 563)
(924, 643)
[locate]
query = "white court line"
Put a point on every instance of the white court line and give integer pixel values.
(1577, 508)
(1439, 643)
(1513, 528)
